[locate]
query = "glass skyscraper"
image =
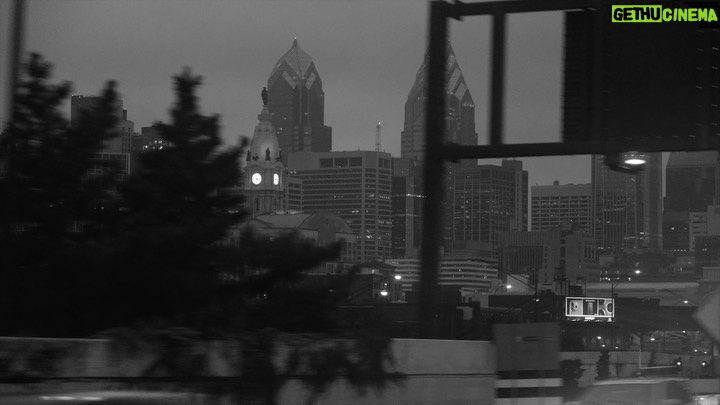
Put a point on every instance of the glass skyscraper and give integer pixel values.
(297, 103)
(459, 113)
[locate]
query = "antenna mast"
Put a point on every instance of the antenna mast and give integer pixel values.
(377, 137)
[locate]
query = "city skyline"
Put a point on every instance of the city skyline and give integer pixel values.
(366, 53)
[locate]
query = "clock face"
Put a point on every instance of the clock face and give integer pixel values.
(256, 178)
(276, 179)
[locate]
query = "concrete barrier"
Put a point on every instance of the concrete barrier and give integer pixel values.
(440, 372)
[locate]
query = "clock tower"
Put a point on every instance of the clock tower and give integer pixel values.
(264, 176)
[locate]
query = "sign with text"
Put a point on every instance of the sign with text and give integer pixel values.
(590, 309)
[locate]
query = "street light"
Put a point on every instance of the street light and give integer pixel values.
(626, 162)
(685, 299)
(384, 292)
(634, 158)
(507, 287)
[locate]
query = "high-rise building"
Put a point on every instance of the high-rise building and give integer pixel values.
(297, 103)
(486, 201)
(406, 208)
(356, 186)
(116, 150)
(460, 129)
(607, 97)
(459, 104)
(627, 208)
(555, 205)
(691, 185)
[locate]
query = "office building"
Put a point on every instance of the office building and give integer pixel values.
(703, 223)
(555, 205)
(469, 275)
(356, 186)
(691, 185)
(554, 259)
(297, 103)
(406, 208)
(627, 208)
(148, 139)
(117, 150)
(488, 200)
(460, 129)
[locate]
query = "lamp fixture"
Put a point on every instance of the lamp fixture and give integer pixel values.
(634, 158)
(626, 162)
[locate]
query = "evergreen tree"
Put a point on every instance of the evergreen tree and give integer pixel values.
(572, 371)
(167, 234)
(47, 199)
(150, 249)
(603, 365)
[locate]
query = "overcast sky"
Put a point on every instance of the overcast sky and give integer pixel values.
(367, 54)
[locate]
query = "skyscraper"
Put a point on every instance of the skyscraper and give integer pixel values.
(460, 129)
(406, 208)
(297, 103)
(486, 201)
(116, 150)
(691, 185)
(459, 104)
(356, 186)
(627, 208)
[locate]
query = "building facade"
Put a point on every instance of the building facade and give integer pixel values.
(555, 205)
(117, 150)
(554, 259)
(323, 229)
(691, 185)
(469, 275)
(297, 102)
(356, 186)
(460, 129)
(487, 200)
(627, 208)
(406, 208)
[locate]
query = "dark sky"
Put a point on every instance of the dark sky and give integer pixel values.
(367, 54)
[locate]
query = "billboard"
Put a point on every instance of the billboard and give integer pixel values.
(589, 309)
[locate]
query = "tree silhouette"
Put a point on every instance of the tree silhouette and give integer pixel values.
(48, 199)
(602, 367)
(141, 260)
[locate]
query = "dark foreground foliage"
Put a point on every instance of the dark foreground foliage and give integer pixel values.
(85, 254)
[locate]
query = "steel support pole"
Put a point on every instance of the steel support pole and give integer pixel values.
(16, 43)
(434, 168)
(497, 79)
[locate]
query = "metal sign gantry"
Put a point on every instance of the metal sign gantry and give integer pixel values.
(437, 151)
